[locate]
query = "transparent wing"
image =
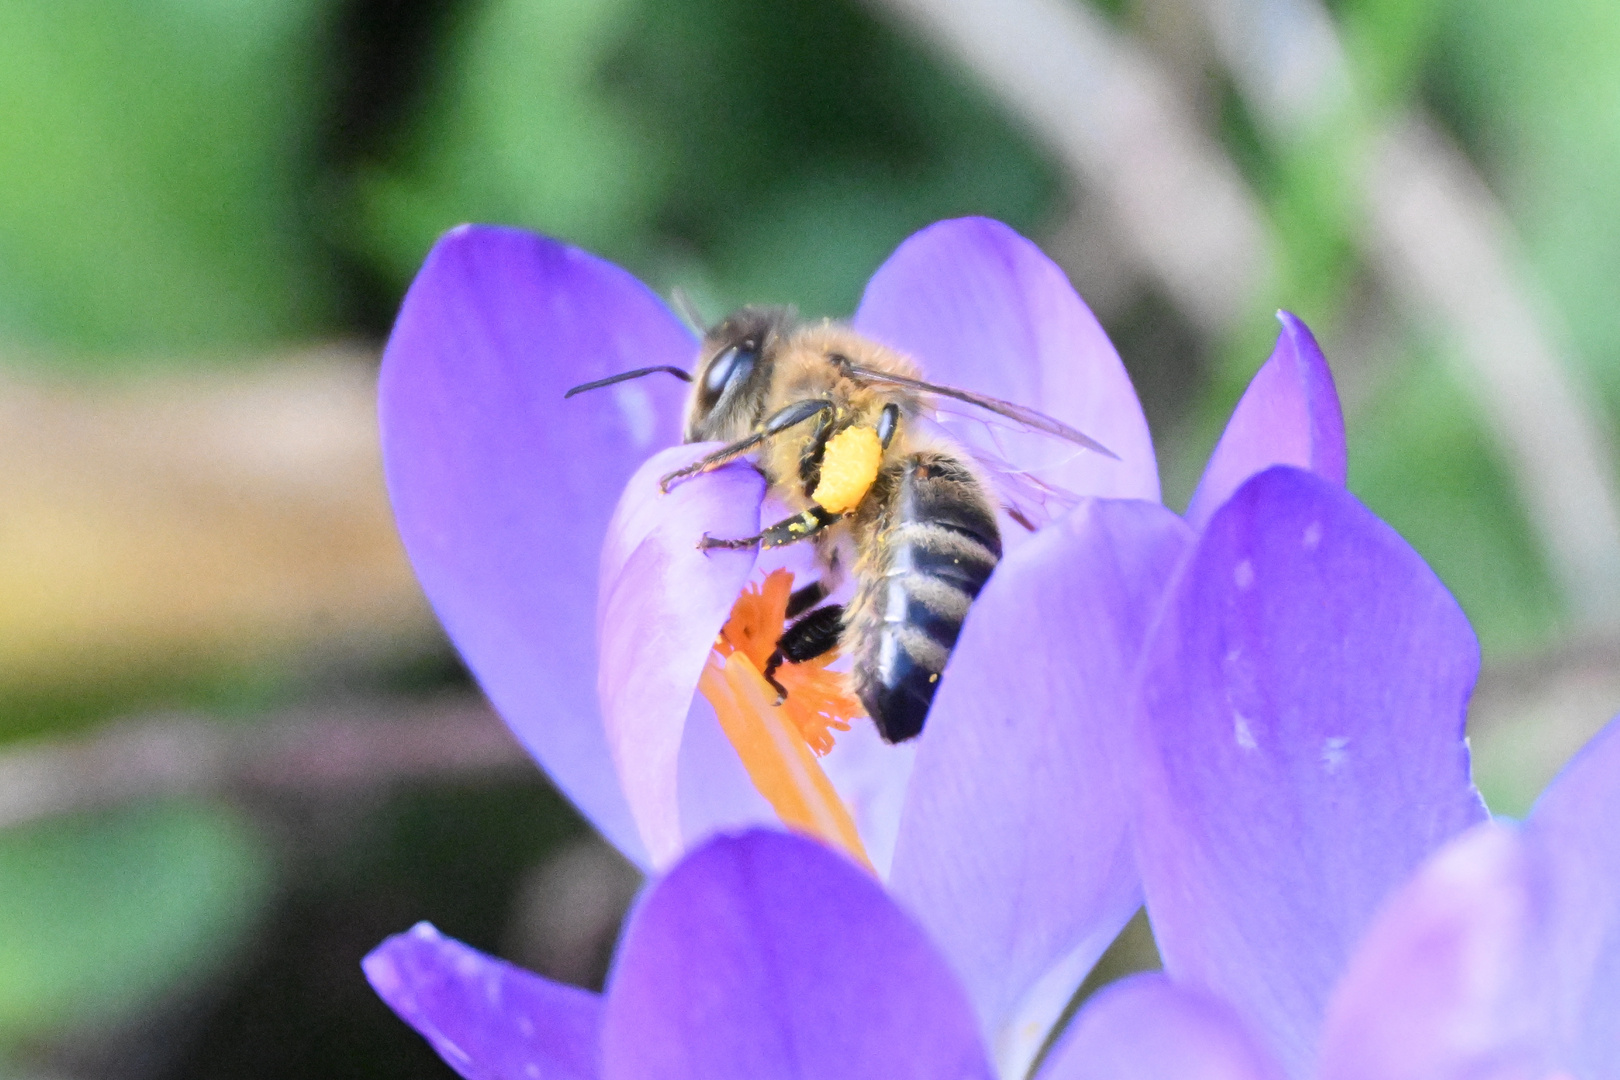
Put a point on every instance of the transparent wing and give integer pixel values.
(1020, 491)
(1026, 418)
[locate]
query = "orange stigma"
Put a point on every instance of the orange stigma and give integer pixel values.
(779, 742)
(817, 699)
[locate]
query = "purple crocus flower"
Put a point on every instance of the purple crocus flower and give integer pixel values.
(1326, 889)
(759, 955)
(1498, 960)
(533, 522)
(1329, 897)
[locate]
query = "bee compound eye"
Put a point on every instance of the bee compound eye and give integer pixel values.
(732, 365)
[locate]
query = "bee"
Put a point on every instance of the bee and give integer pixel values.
(836, 423)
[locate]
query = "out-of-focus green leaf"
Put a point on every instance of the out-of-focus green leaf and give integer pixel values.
(155, 164)
(100, 912)
(761, 151)
(1419, 459)
(519, 131)
(1536, 89)
(807, 138)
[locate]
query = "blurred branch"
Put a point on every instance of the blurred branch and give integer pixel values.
(169, 516)
(1441, 241)
(365, 744)
(1115, 121)
(1444, 246)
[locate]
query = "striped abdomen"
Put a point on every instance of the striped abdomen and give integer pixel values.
(936, 542)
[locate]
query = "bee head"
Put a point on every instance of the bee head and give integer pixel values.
(733, 372)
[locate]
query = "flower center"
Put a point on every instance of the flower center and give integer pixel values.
(779, 743)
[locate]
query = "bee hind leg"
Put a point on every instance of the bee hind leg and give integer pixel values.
(816, 634)
(806, 598)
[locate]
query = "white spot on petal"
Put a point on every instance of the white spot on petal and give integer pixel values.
(1334, 753)
(1243, 574)
(635, 406)
(1313, 535)
(1242, 733)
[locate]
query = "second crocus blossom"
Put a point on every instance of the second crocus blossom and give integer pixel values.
(760, 955)
(1499, 959)
(1328, 895)
(1009, 840)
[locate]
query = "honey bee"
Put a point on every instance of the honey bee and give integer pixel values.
(835, 423)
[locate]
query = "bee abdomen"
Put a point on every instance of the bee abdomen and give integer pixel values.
(939, 545)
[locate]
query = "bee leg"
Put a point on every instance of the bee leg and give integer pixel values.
(791, 530)
(806, 598)
(814, 635)
(775, 424)
(814, 451)
(888, 423)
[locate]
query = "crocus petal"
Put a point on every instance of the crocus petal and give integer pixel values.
(981, 308)
(1014, 846)
(1147, 1028)
(1289, 415)
(1301, 747)
(663, 603)
(1448, 984)
(767, 955)
(502, 490)
(486, 1018)
(1573, 830)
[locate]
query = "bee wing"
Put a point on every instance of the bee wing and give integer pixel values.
(1027, 418)
(1021, 493)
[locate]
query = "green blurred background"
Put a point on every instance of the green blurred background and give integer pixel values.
(235, 751)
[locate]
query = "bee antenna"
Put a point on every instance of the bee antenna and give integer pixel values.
(687, 308)
(625, 376)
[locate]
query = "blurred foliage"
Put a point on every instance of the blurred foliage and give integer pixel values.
(1420, 454)
(761, 152)
(1420, 458)
(155, 177)
(1535, 91)
(194, 180)
(100, 912)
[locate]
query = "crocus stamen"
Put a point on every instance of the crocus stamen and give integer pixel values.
(778, 743)
(818, 701)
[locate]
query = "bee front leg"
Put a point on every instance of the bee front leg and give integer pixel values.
(800, 526)
(775, 424)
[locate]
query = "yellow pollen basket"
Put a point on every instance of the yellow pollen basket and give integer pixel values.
(779, 743)
(848, 467)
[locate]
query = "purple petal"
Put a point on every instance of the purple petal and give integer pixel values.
(1449, 982)
(1301, 747)
(1573, 829)
(487, 1019)
(502, 490)
(1289, 415)
(1147, 1028)
(981, 308)
(663, 603)
(1014, 847)
(767, 955)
